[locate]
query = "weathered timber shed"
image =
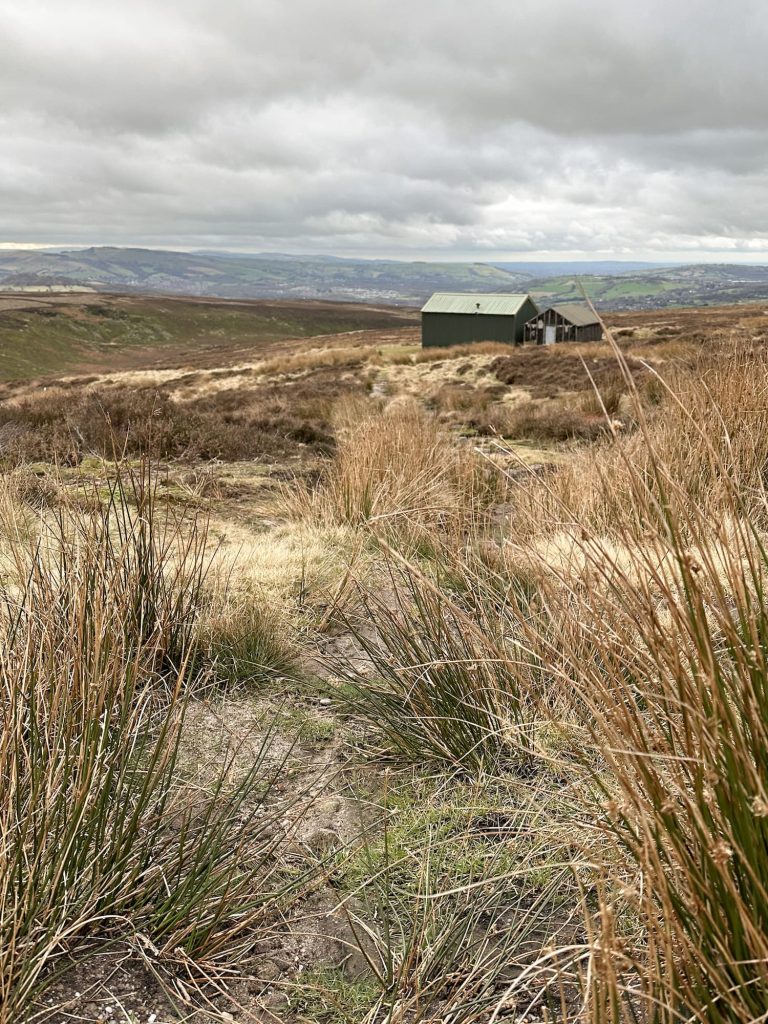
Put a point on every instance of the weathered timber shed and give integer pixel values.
(570, 321)
(459, 318)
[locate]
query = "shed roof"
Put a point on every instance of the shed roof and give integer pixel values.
(578, 314)
(490, 304)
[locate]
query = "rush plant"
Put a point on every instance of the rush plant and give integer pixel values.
(100, 838)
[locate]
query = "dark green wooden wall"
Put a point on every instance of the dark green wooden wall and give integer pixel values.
(444, 329)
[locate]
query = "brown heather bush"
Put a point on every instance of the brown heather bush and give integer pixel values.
(547, 370)
(583, 416)
(466, 400)
(65, 426)
(543, 421)
(478, 410)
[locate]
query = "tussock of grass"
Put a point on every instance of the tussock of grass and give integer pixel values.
(433, 954)
(669, 669)
(327, 996)
(246, 641)
(705, 435)
(100, 839)
(662, 643)
(397, 469)
(450, 686)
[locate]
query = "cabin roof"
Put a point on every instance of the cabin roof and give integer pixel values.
(578, 314)
(488, 304)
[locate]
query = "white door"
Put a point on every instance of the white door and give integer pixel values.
(549, 334)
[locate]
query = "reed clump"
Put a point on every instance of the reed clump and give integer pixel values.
(656, 638)
(704, 437)
(638, 630)
(100, 839)
(397, 470)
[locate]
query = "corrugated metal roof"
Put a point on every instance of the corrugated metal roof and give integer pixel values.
(576, 313)
(489, 304)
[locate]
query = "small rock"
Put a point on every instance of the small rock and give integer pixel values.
(323, 840)
(274, 1000)
(268, 970)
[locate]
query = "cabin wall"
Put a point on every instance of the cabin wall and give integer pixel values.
(526, 311)
(446, 329)
(592, 332)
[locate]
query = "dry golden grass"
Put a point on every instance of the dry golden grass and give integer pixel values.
(658, 631)
(103, 836)
(627, 607)
(658, 649)
(313, 359)
(397, 469)
(298, 571)
(480, 348)
(706, 427)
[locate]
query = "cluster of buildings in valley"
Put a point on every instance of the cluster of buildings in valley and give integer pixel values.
(460, 318)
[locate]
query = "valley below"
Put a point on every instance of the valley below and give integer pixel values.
(611, 285)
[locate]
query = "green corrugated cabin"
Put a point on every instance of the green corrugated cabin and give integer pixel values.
(459, 318)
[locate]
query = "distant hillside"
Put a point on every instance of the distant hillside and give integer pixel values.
(580, 267)
(610, 284)
(228, 275)
(62, 333)
(704, 284)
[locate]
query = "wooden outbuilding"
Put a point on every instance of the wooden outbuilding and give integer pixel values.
(459, 318)
(570, 321)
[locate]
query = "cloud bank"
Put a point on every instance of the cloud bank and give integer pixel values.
(387, 128)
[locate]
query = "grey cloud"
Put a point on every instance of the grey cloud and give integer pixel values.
(386, 127)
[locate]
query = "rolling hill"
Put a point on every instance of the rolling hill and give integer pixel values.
(228, 275)
(611, 285)
(61, 332)
(697, 285)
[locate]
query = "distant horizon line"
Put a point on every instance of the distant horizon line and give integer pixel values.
(689, 259)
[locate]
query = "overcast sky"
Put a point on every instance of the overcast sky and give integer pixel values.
(408, 128)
